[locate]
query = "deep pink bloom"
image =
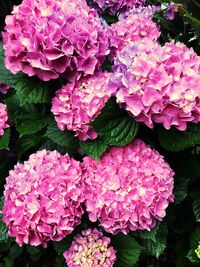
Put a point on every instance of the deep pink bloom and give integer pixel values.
(133, 26)
(49, 38)
(77, 104)
(4, 88)
(90, 249)
(113, 6)
(43, 198)
(159, 84)
(128, 189)
(3, 119)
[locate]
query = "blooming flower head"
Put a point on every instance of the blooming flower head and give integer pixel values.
(4, 88)
(49, 38)
(90, 249)
(159, 84)
(43, 198)
(79, 103)
(129, 188)
(134, 26)
(113, 6)
(3, 119)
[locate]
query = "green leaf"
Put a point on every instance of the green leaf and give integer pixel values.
(192, 256)
(60, 262)
(94, 148)
(63, 245)
(13, 106)
(149, 234)
(31, 123)
(195, 238)
(114, 126)
(180, 190)
(174, 140)
(28, 141)
(61, 138)
(119, 131)
(3, 232)
(196, 210)
(15, 251)
(128, 250)
(35, 252)
(4, 139)
(32, 90)
(158, 247)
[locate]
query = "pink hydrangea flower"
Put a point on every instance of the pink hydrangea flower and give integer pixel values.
(113, 6)
(43, 198)
(79, 103)
(4, 88)
(49, 38)
(3, 119)
(159, 84)
(134, 26)
(128, 189)
(90, 249)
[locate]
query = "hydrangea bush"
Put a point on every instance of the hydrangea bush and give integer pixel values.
(99, 133)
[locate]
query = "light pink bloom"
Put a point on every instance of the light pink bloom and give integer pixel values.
(159, 84)
(133, 26)
(90, 249)
(49, 38)
(4, 88)
(43, 198)
(77, 104)
(3, 119)
(128, 189)
(113, 6)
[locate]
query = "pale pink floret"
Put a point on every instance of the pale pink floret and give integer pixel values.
(128, 189)
(4, 88)
(77, 104)
(49, 38)
(43, 198)
(113, 6)
(159, 84)
(90, 249)
(3, 119)
(134, 26)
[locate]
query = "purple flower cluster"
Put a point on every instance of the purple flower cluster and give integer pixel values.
(134, 26)
(79, 103)
(159, 84)
(3, 119)
(43, 198)
(113, 6)
(50, 38)
(90, 249)
(128, 189)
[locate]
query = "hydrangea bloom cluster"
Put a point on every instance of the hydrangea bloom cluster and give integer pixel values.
(90, 249)
(113, 6)
(3, 118)
(159, 84)
(43, 198)
(134, 26)
(79, 103)
(4, 88)
(128, 189)
(49, 38)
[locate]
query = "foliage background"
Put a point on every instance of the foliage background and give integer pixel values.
(170, 243)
